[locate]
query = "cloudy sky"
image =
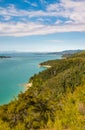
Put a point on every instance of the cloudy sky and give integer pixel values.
(42, 25)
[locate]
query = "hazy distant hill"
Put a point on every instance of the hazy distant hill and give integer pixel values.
(66, 52)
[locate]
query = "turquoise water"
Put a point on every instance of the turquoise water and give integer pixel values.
(17, 70)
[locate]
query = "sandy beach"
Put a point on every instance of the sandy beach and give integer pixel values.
(45, 66)
(27, 86)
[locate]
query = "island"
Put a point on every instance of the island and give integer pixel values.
(3, 57)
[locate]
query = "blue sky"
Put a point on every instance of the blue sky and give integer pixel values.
(42, 25)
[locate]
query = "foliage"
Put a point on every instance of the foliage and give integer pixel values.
(56, 99)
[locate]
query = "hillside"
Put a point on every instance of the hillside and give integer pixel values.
(55, 101)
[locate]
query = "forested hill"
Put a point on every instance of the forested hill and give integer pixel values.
(55, 101)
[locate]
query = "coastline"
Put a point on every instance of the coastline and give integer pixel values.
(44, 66)
(27, 86)
(23, 84)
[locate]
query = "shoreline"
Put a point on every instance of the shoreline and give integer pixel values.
(27, 86)
(23, 86)
(45, 66)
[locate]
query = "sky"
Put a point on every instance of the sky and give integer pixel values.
(42, 25)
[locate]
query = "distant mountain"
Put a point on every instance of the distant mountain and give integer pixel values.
(70, 51)
(41, 53)
(66, 52)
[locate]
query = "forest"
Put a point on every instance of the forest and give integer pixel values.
(55, 101)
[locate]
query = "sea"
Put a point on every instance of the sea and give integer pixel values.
(17, 70)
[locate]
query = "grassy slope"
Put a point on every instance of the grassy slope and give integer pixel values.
(55, 101)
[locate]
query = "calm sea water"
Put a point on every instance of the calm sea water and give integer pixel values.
(17, 70)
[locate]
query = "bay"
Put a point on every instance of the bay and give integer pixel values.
(17, 70)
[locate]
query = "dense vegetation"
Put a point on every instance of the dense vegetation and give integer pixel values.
(56, 100)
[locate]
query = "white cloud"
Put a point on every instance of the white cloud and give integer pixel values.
(56, 41)
(74, 11)
(43, 2)
(7, 18)
(69, 9)
(32, 4)
(69, 17)
(58, 21)
(27, 29)
(26, 1)
(12, 11)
